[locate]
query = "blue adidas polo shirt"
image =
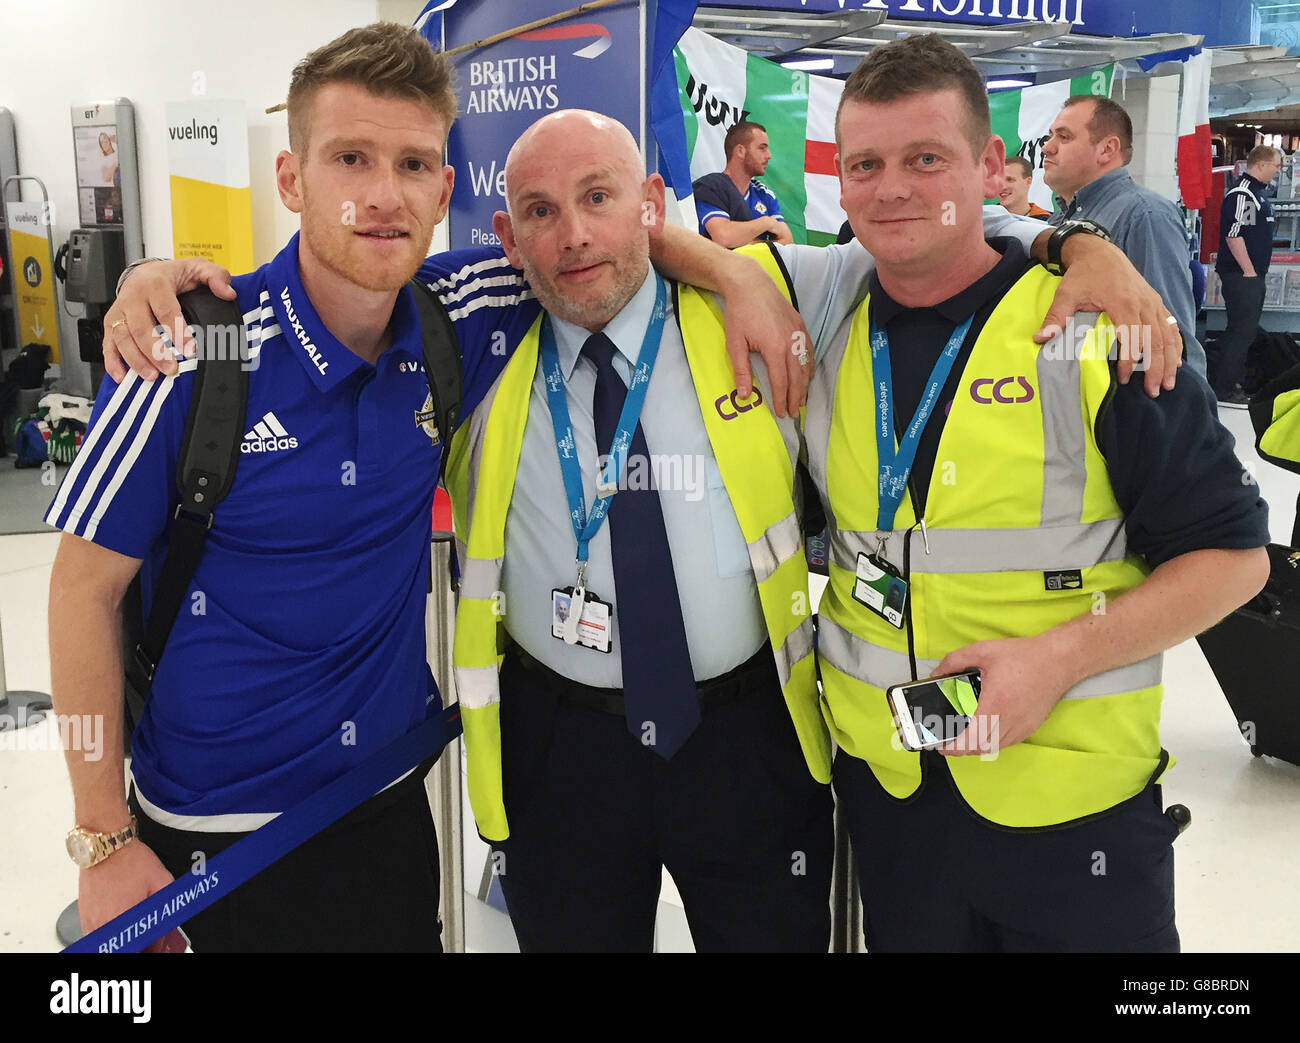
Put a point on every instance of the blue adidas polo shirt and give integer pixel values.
(300, 649)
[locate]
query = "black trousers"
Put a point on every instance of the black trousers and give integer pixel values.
(366, 883)
(1243, 300)
(936, 878)
(736, 818)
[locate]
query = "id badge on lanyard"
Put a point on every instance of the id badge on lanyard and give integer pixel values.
(578, 616)
(878, 584)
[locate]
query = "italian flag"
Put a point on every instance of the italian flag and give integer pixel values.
(718, 85)
(1023, 118)
(1195, 153)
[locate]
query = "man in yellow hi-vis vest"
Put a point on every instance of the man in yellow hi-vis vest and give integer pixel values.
(983, 481)
(634, 645)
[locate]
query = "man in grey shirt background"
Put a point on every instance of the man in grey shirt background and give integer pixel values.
(1084, 162)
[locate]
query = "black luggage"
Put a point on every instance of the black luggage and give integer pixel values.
(1255, 655)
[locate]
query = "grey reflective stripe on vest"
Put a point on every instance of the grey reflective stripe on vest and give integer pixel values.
(991, 550)
(1133, 678)
(477, 686)
(781, 542)
(797, 645)
(1065, 466)
(882, 667)
(480, 577)
(863, 661)
(819, 409)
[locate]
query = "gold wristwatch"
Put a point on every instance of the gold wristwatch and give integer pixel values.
(88, 848)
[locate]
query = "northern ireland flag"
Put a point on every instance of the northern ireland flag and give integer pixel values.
(719, 85)
(1023, 119)
(1194, 150)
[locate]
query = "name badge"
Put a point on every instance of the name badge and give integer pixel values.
(581, 619)
(880, 587)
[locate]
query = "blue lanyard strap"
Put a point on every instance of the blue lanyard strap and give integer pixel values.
(586, 525)
(894, 467)
(189, 895)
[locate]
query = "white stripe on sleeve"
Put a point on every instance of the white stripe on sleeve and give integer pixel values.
(130, 393)
(137, 444)
(132, 390)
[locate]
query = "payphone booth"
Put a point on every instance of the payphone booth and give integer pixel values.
(111, 235)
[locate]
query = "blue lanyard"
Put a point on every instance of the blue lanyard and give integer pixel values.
(894, 467)
(189, 895)
(586, 525)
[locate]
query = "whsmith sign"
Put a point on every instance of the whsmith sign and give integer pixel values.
(989, 11)
(1220, 23)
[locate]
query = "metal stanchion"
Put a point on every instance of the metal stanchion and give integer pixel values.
(19, 709)
(846, 900)
(443, 783)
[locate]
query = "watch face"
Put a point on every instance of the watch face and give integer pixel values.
(79, 848)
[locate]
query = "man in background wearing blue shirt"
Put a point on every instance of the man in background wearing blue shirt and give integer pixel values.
(1245, 249)
(1084, 162)
(734, 207)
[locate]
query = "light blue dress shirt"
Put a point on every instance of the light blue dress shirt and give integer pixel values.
(715, 582)
(1149, 229)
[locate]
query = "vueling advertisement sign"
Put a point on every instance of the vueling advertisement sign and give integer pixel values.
(29, 248)
(207, 155)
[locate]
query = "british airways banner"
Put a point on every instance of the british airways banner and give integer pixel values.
(590, 61)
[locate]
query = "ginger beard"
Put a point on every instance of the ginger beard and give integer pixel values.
(382, 266)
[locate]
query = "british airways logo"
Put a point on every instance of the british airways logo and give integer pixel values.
(736, 406)
(988, 390)
(312, 351)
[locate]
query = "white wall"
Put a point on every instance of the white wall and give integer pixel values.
(57, 53)
(1152, 104)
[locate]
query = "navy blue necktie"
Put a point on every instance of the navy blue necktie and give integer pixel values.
(662, 702)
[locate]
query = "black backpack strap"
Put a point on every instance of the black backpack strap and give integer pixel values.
(209, 458)
(442, 367)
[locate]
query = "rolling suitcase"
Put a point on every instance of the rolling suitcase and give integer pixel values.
(1255, 655)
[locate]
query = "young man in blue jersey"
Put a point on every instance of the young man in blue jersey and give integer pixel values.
(300, 650)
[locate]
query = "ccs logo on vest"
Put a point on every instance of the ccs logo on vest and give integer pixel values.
(987, 390)
(729, 406)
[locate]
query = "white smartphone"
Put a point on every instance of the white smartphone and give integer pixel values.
(934, 711)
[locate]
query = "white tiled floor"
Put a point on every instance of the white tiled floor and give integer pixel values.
(1236, 865)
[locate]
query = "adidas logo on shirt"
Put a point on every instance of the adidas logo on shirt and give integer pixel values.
(267, 436)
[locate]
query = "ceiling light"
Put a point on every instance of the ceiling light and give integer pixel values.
(808, 64)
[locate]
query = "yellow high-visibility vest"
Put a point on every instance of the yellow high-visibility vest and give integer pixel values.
(1022, 532)
(756, 464)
